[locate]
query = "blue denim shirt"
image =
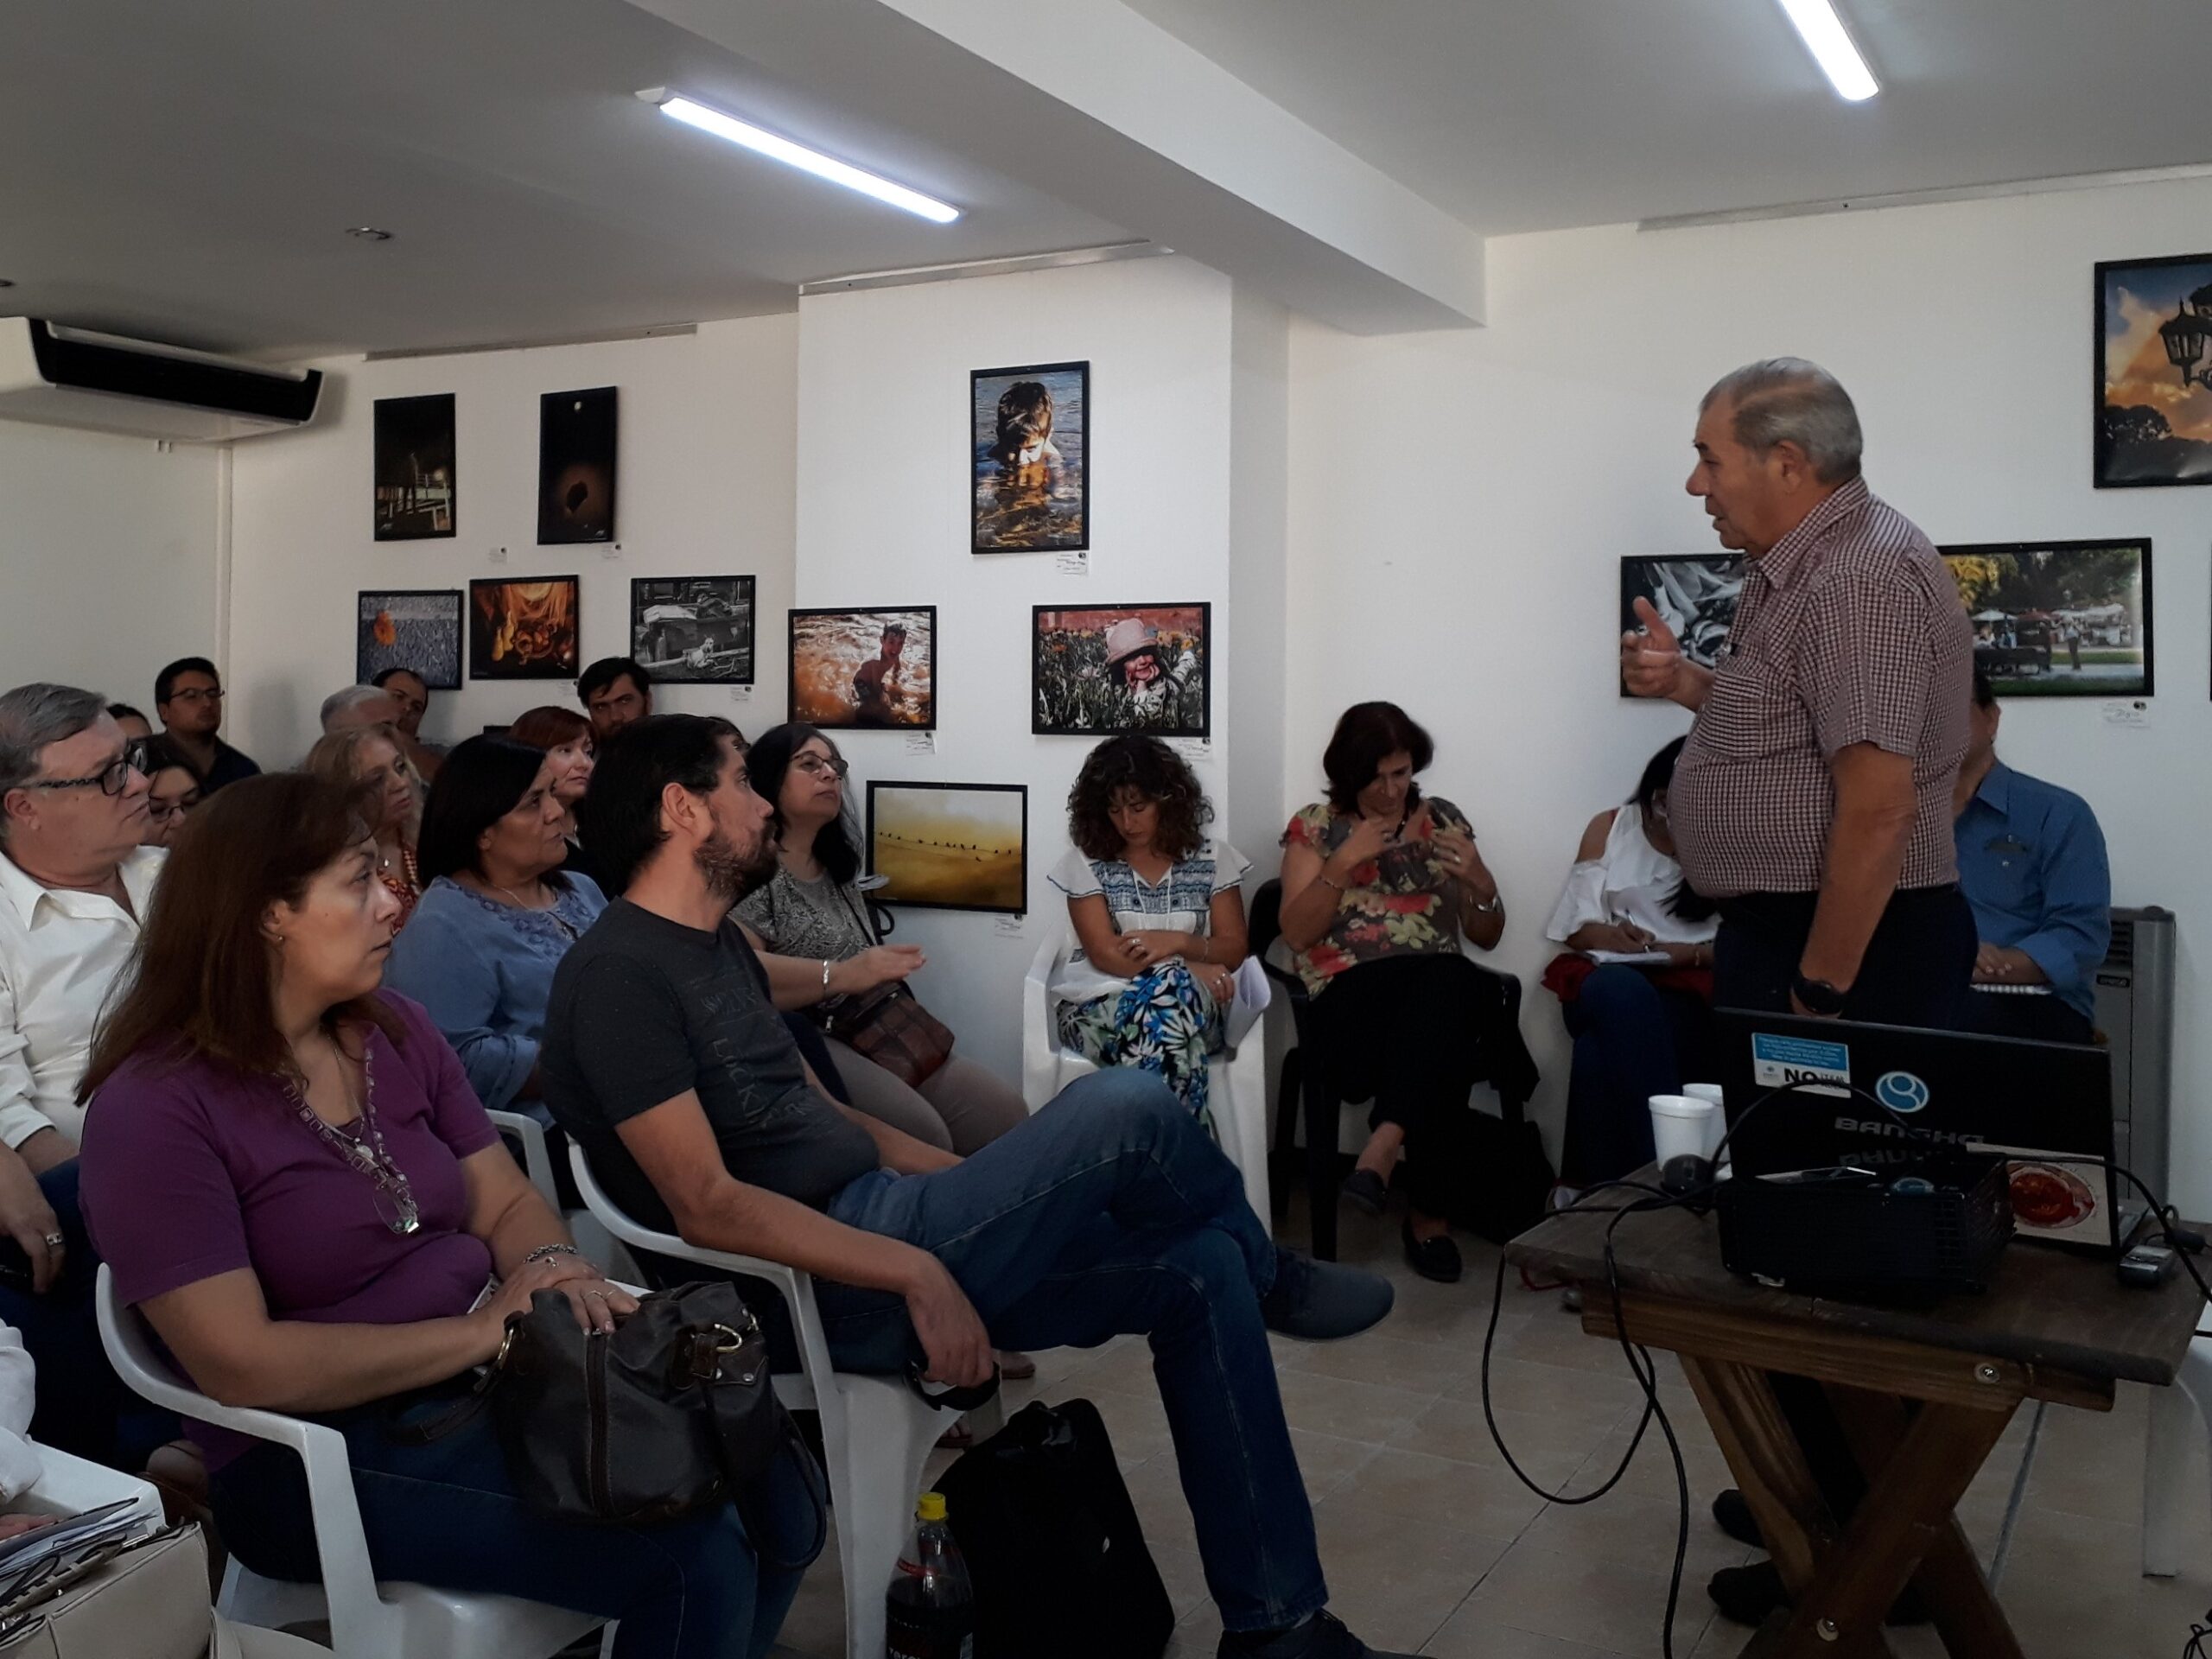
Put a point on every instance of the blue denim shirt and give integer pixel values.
(2032, 861)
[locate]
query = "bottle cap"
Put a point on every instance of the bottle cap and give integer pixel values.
(930, 1507)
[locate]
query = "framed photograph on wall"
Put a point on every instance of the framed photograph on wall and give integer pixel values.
(693, 629)
(417, 629)
(875, 668)
(414, 467)
(2154, 371)
(951, 846)
(523, 629)
(1031, 456)
(1100, 669)
(2059, 619)
(1694, 595)
(576, 467)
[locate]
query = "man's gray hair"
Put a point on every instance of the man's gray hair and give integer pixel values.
(351, 696)
(32, 717)
(1789, 400)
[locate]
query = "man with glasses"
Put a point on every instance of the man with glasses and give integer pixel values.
(410, 693)
(614, 691)
(188, 696)
(74, 884)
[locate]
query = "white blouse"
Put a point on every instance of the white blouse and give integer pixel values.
(1630, 881)
(1181, 901)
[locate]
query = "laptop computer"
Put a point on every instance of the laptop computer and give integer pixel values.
(2029, 1100)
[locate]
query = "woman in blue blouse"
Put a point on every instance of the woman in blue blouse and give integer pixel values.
(1157, 910)
(497, 913)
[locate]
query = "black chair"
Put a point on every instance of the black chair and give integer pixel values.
(1305, 1075)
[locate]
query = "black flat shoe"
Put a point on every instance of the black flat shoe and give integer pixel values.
(1746, 1595)
(1435, 1258)
(1733, 1517)
(1365, 1191)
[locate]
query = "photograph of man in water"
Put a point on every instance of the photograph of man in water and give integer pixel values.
(1030, 451)
(865, 668)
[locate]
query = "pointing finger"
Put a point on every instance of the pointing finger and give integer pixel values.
(1662, 636)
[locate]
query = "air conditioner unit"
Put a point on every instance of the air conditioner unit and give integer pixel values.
(54, 376)
(2135, 1012)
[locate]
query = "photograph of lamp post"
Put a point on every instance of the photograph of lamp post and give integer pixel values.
(2154, 371)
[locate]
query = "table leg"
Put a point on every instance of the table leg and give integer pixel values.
(1967, 1614)
(1904, 1517)
(1770, 1471)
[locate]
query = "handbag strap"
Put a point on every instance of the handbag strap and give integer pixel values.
(953, 1397)
(456, 1417)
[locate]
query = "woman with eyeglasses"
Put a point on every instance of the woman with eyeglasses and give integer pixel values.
(291, 1180)
(497, 914)
(173, 789)
(371, 758)
(814, 918)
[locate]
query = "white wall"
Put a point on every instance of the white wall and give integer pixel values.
(108, 565)
(1458, 504)
(703, 488)
(883, 497)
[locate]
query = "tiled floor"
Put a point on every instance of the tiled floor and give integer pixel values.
(1432, 1546)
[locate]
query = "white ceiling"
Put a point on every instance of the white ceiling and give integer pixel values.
(1520, 115)
(185, 169)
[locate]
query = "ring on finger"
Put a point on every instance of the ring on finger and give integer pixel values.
(55, 1241)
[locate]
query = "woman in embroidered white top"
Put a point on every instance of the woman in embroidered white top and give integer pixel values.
(1640, 1029)
(1158, 909)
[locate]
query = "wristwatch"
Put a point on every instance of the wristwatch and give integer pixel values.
(1817, 996)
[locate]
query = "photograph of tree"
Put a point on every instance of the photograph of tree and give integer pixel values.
(2059, 619)
(1694, 596)
(1030, 455)
(2154, 371)
(951, 846)
(1121, 668)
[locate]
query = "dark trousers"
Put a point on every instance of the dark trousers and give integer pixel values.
(2039, 1019)
(446, 1514)
(1916, 971)
(1633, 1038)
(1397, 1032)
(79, 1406)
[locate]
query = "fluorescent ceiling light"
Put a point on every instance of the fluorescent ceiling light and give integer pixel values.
(779, 147)
(1830, 43)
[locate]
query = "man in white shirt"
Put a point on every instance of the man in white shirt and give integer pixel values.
(74, 885)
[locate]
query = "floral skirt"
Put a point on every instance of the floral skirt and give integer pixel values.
(1166, 1021)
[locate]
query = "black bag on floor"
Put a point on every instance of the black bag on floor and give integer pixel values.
(1504, 1177)
(1052, 1543)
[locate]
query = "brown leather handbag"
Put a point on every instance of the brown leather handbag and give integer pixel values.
(889, 1027)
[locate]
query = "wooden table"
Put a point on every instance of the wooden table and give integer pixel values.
(1923, 1395)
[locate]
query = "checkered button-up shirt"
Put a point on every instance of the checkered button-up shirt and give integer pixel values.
(1850, 630)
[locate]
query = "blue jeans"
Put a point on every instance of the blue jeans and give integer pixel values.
(1111, 1212)
(1632, 1039)
(446, 1514)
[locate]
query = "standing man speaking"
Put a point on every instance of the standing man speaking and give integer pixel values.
(1813, 801)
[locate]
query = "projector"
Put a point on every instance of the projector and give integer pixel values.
(1914, 1230)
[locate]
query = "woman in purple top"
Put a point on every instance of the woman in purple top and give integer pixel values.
(290, 1176)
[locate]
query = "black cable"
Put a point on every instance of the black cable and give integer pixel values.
(2198, 1631)
(1640, 1366)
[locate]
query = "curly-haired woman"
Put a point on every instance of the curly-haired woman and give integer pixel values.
(1158, 909)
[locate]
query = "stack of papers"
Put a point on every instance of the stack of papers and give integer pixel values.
(28, 1557)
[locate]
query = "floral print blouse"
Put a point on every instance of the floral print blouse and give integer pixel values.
(1396, 904)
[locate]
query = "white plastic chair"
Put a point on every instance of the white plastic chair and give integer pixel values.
(876, 1431)
(1238, 1079)
(2175, 1413)
(68, 1484)
(368, 1620)
(601, 1251)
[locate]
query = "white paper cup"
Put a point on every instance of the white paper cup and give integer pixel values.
(1718, 1125)
(1679, 1125)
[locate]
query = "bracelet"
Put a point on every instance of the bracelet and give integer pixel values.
(1322, 876)
(546, 1252)
(826, 973)
(1491, 905)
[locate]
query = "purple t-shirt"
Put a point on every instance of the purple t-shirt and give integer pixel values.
(195, 1170)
